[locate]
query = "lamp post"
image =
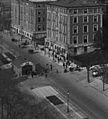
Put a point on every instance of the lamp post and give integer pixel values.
(68, 101)
(104, 77)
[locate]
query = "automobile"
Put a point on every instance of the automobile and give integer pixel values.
(95, 67)
(42, 49)
(6, 66)
(96, 72)
(32, 50)
(14, 40)
(23, 46)
(25, 43)
(78, 68)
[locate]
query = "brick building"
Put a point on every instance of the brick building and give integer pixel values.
(71, 26)
(29, 17)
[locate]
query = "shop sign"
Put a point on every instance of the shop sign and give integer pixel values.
(38, 36)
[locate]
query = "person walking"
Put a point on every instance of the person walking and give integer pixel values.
(57, 71)
(51, 67)
(46, 75)
(64, 65)
(32, 74)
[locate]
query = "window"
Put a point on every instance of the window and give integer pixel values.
(27, 34)
(43, 19)
(75, 20)
(95, 18)
(85, 19)
(75, 39)
(75, 11)
(75, 29)
(44, 28)
(75, 50)
(95, 27)
(85, 49)
(95, 10)
(85, 11)
(38, 5)
(30, 36)
(39, 12)
(39, 27)
(93, 37)
(39, 19)
(85, 38)
(85, 28)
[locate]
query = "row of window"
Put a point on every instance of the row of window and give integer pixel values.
(75, 29)
(85, 28)
(75, 39)
(76, 50)
(85, 11)
(41, 28)
(41, 19)
(85, 19)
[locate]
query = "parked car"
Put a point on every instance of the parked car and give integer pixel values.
(78, 68)
(96, 71)
(14, 40)
(25, 43)
(32, 50)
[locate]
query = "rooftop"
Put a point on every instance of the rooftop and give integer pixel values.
(75, 3)
(41, 0)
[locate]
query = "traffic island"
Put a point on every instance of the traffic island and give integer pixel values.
(42, 90)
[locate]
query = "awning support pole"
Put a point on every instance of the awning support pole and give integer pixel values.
(88, 78)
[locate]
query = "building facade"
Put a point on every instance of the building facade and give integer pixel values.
(5, 15)
(71, 26)
(29, 17)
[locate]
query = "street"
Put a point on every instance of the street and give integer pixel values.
(92, 103)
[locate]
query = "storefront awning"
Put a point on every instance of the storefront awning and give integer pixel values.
(26, 63)
(39, 41)
(93, 58)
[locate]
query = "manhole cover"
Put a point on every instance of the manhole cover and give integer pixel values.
(55, 100)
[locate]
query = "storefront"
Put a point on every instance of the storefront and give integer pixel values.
(27, 68)
(39, 38)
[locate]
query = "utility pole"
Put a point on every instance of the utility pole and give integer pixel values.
(103, 85)
(2, 107)
(88, 78)
(104, 77)
(68, 101)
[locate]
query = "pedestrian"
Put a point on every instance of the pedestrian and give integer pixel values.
(46, 75)
(63, 64)
(32, 74)
(57, 71)
(51, 67)
(47, 66)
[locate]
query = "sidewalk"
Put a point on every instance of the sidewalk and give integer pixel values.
(96, 83)
(79, 79)
(42, 88)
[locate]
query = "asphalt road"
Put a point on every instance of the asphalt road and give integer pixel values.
(91, 106)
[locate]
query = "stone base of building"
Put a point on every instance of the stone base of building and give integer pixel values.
(62, 52)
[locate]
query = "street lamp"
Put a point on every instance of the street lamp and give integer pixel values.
(68, 101)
